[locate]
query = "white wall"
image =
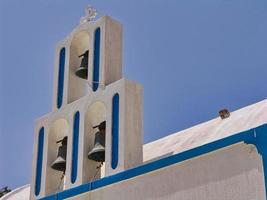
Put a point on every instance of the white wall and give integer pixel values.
(233, 173)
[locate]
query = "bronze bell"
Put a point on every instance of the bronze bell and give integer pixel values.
(60, 163)
(98, 152)
(82, 71)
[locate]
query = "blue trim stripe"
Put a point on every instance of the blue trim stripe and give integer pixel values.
(60, 85)
(96, 59)
(256, 136)
(75, 147)
(40, 149)
(115, 131)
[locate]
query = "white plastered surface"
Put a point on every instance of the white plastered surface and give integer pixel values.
(240, 120)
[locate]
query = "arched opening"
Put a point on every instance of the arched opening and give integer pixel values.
(95, 116)
(79, 49)
(55, 177)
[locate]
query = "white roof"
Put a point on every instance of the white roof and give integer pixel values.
(215, 129)
(240, 120)
(22, 193)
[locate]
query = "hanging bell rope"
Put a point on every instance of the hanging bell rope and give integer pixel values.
(98, 169)
(61, 179)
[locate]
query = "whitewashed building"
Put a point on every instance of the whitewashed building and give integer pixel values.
(90, 147)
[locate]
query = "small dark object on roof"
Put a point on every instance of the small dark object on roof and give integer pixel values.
(224, 113)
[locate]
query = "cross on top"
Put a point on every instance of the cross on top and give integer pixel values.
(90, 14)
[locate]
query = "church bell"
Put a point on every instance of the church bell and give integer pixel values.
(60, 162)
(82, 71)
(98, 152)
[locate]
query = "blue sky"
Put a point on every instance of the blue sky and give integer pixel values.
(192, 57)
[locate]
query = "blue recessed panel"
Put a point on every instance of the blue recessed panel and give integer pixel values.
(96, 59)
(115, 131)
(40, 148)
(60, 85)
(75, 147)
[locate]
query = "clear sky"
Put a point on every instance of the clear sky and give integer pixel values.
(193, 58)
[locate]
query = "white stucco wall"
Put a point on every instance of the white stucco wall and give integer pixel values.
(233, 173)
(240, 120)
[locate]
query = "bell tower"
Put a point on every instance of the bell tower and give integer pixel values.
(95, 128)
